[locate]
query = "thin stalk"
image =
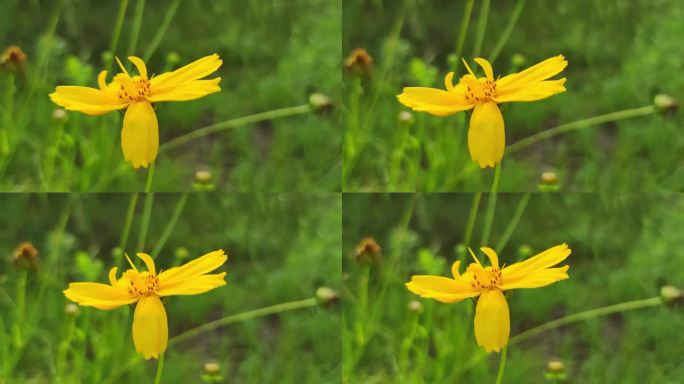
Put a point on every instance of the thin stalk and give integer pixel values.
(123, 4)
(137, 23)
(147, 210)
(160, 368)
(472, 217)
(235, 123)
(481, 28)
(243, 316)
(580, 124)
(465, 20)
(161, 31)
(171, 225)
(491, 206)
(128, 221)
(502, 365)
(522, 204)
(150, 177)
(515, 14)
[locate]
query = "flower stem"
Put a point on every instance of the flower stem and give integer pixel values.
(243, 316)
(472, 216)
(161, 32)
(502, 365)
(169, 227)
(515, 14)
(160, 368)
(481, 28)
(147, 211)
(127, 223)
(491, 206)
(580, 124)
(465, 20)
(150, 177)
(235, 123)
(586, 315)
(123, 4)
(137, 23)
(522, 204)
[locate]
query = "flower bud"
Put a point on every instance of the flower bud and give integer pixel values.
(671, 294)
(368, 252)
(555, 371)
(525, 251)
(327, 296)
(181, 253)
(212, 373)
(71, 309)
(172, 58)
(415, 306)
(25, 256)
(406, 118)
(212, 368)
(359, 63)
(549, 182)
(518, 61)
(204, 181)
(320, 103)
(13, 59)
(665, 104)
(59, 115)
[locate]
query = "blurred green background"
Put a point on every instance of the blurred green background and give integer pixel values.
(281, 248)
(620, 53)
(275, 55)
(624, 247)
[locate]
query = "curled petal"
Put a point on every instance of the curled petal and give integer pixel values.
(142, 69)
(101, 296)
(486, 137)
(492, 321)
(150, 327)
(486, 67)
(441, 288)
(491, 254)
(140, 134)
(147, 259)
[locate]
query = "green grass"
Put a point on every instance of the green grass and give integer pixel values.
(275, 54)
(281, 249)
(623, 249)
(620, 54)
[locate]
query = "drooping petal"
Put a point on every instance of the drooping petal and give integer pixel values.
(441, 288)
(150, 327)
(194, 286)
(194, 71)
(546, 259)
(101, 296)
(434, 101)
(190, 90)
(454, 269)
(486, 137)
(492, 321)
(537, 279)
(538, 72)
(87, 100)
(171, 279)
(532, 92)
(140, 134)
(491, 254)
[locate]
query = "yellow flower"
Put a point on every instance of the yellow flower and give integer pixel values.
(150, 328)
(140, 133)
(492, 322)
(486, 137)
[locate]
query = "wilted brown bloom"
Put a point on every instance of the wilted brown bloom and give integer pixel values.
(25, 256)
(13, 58)
(327, 296)
(359, 63)
(368, 251)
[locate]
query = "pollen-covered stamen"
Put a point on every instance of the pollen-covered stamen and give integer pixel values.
(480, 90)
(142, 284)
(485, 278)
(132, 89)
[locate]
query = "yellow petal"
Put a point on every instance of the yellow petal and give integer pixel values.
(90, 101)
(189, 90)
(101, 296)
(434, 101)
(150, 327)
(142, 69)
(491, 254)
(194, 286)
(538, 72)
(140, 134)
(454, 269)
(536, 279)
(487, 67)
(486, 137)
(147, 259)
(532, 92)
(194, 71)
(441, 288)
(492, 321)
(546, 259)
(174, 277)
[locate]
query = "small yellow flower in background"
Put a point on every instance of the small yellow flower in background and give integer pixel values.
(492, 321)
(150, 327)
(486, 136)
(140, 133)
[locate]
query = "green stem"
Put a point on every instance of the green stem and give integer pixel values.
(235, 123)
(161, 31)
(502, 365)
(169, 227)
(586, 315)
(465, 20)
(491, 206)
(150, 177)
(481, 28)
(243, 316)
(472, 217)
(580, 124)
(515, 14)
(522, 204)
(137, 23)
(123, 4)
(147, 212)
(128, 221)
(160, 368)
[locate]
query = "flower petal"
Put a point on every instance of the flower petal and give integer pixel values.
(196, 70)
(486, 137)
(492, 321)
(90, 101)
(435, 101)
(486, 67)
(532, 92)
(538, 72)
(441, 288)
(546, 259)
(101, 296)
(491, 254)
(172, 278)
(150, 327)
(194, 286)
(142, 69)
(140, 134)
(536, 279)
(189, 90)
(147, 259)
(454, 269)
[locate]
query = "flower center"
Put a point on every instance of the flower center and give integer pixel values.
(485, 278)
(131, 89)
(143, 284)
(480, 91)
